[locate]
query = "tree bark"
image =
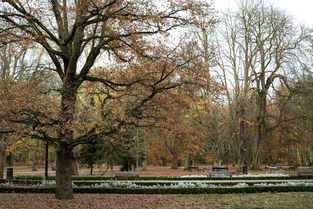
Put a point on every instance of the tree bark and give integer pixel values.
(175, 159)
(175, 162)
(64, 162)
(144, 162)
(65, 154)
(91, 168)
(261, 132)
(187, 160)
(9, 159)
(1, 168)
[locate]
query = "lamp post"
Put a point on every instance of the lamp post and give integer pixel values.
(46, 160)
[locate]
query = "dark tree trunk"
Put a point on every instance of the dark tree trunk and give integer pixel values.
(9, 159)
(91, 168)
(64, 162)
(65, 154)
(127, 165)
(1, 168)
(175, 160)
(164, 161)
(260, 130)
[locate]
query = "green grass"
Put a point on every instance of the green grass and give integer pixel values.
(295, 200)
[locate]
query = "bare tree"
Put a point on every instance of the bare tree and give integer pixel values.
(260, 42)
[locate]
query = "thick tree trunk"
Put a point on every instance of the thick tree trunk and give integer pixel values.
(174, 150)
(257, 147)
(9, 159)
(65, 154)
(187, 161)
(64, 162)
(127, 165)
(175, 160)
(261, 131)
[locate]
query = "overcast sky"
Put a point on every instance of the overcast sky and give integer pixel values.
(301, 10)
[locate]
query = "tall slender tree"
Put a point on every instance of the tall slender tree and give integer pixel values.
(261, 42)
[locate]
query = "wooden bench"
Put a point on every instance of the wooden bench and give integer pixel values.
(219, 168)
(273, 168)
(278, 168)
(126, 173)
(305, 173)
(193, 168)
(219, 171)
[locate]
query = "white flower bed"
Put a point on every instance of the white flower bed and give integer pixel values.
(242, 176)
(6, 184)
(156, 186)
(284, 184)
(261, 175)
(42, 184)
(46, 183)
(117, 184)
(195, 185)
(240, 185)
(193, 176)
(49, 183)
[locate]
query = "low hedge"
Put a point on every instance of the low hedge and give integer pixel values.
(167, 178)
(26, 190)
(165, 191)
(21, 181)
(86, 183)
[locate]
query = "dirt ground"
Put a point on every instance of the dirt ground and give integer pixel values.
(151, 171)
(87, 201)
(201, 201)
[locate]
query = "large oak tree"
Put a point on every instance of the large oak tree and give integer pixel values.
(79, 34)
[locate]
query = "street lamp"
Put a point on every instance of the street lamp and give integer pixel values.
(46, 160)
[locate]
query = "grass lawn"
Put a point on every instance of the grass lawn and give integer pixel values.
(118, 201)
(252, 201)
